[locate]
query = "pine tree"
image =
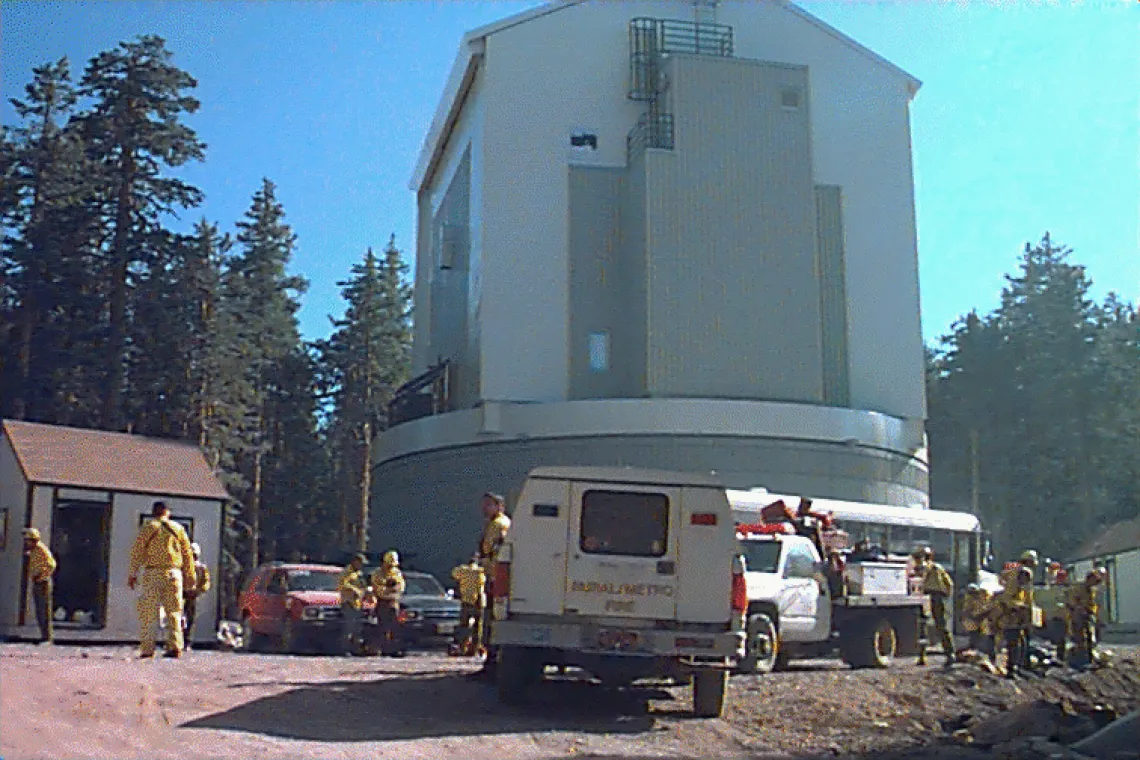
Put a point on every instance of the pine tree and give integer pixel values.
(368, 357)
(262, 304)
(133, 132)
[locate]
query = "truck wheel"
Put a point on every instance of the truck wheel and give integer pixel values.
(870, 646)
(518, 670)
(761, 646)
(709, 690)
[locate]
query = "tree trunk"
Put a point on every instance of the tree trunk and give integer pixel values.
(365, 486)
(255, 511)
(117, 326)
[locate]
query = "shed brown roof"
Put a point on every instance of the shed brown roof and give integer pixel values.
(1115, 539)
(67, 456)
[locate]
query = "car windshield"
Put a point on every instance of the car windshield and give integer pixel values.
(313, 580)
(421, 585)
(761, 556)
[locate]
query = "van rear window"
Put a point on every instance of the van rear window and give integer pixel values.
(624, 522)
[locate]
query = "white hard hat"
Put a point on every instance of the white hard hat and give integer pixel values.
(196, 549)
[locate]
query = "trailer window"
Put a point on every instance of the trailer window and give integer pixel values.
(624, 522)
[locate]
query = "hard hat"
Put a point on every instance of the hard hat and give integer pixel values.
(196, 549)
(391, 558)
(32, 533)
(973, 588)
(1097, 574)
(1029, 558)
(1054, 565)
(924, 551)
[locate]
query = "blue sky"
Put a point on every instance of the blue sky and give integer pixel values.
(1028, 120)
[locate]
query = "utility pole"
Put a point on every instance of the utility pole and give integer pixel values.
(974, 484)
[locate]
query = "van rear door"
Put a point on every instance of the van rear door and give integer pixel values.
(623, 550)
(539, 544)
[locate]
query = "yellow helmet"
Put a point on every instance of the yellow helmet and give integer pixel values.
(391, 558)
(32, 533)
(1029, 558)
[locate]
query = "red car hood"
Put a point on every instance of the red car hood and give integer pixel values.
(327, 598)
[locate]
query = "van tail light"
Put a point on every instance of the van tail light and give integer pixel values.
(501, 580)
(739, 593)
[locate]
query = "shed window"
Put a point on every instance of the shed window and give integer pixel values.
(185, 522)
(790, 98)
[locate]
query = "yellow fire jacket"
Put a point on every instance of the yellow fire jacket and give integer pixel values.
(472, 582)
(40, 562)
(388, 583)
(350, 585)
(162, 544)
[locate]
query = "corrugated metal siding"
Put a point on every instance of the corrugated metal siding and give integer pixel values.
(598, 281)
(732, 277)
(833, 294)
(449, 288)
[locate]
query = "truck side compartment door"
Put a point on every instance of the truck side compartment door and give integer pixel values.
(538, 537)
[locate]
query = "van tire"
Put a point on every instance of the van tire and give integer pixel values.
(760, 626)
(518, 670)
(869, 645)
(251, 641)
(710, 687)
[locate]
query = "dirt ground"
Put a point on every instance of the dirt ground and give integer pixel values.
(101, 702)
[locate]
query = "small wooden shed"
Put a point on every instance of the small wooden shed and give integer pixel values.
(88, 491)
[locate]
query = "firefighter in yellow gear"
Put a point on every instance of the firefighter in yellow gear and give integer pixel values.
(350, 586)
(162, 551)
(202, 585)
(937, 584)
(1013, 616)
(472, 580)
(1081, 611)
(41, 566)
(977, 606)
(495, 531)
(387, 587)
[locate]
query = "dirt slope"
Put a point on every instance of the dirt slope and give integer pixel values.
(100, 702)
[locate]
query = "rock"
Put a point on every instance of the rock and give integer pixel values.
(1036, 718)
(1120, 736)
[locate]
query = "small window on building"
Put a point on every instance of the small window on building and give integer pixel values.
(583, 140)
(790, 98)
(185, 522)
(599, 351)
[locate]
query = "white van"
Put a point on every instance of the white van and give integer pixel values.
(624, 573)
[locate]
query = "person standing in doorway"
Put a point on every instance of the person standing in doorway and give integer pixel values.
(202, 585)
(162, 551)
(495, 529)
(41, 566)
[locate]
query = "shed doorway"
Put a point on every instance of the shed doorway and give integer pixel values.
(81, 542)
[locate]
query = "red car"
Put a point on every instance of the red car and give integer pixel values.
(290, 607)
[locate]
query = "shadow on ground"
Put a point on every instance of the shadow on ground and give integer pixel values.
(436, 705)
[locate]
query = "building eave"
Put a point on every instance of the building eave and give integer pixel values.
(463, 71)
(912, 83)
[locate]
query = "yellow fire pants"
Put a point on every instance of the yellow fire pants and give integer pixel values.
(160, 589)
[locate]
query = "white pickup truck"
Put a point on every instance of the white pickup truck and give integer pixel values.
(792, 613)
(624, 573)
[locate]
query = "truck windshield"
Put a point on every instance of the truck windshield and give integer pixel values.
(624, 522)
(761, 556)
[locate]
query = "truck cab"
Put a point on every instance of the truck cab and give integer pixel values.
(624, 573)
(870, 614)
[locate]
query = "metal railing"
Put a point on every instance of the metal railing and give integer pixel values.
(650, 38)
(651, 131)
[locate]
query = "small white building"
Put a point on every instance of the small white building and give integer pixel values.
(88, 491)
(1117, 550)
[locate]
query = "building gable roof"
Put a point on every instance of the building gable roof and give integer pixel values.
(471, 51)
(106, 461)
(1115, 539)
